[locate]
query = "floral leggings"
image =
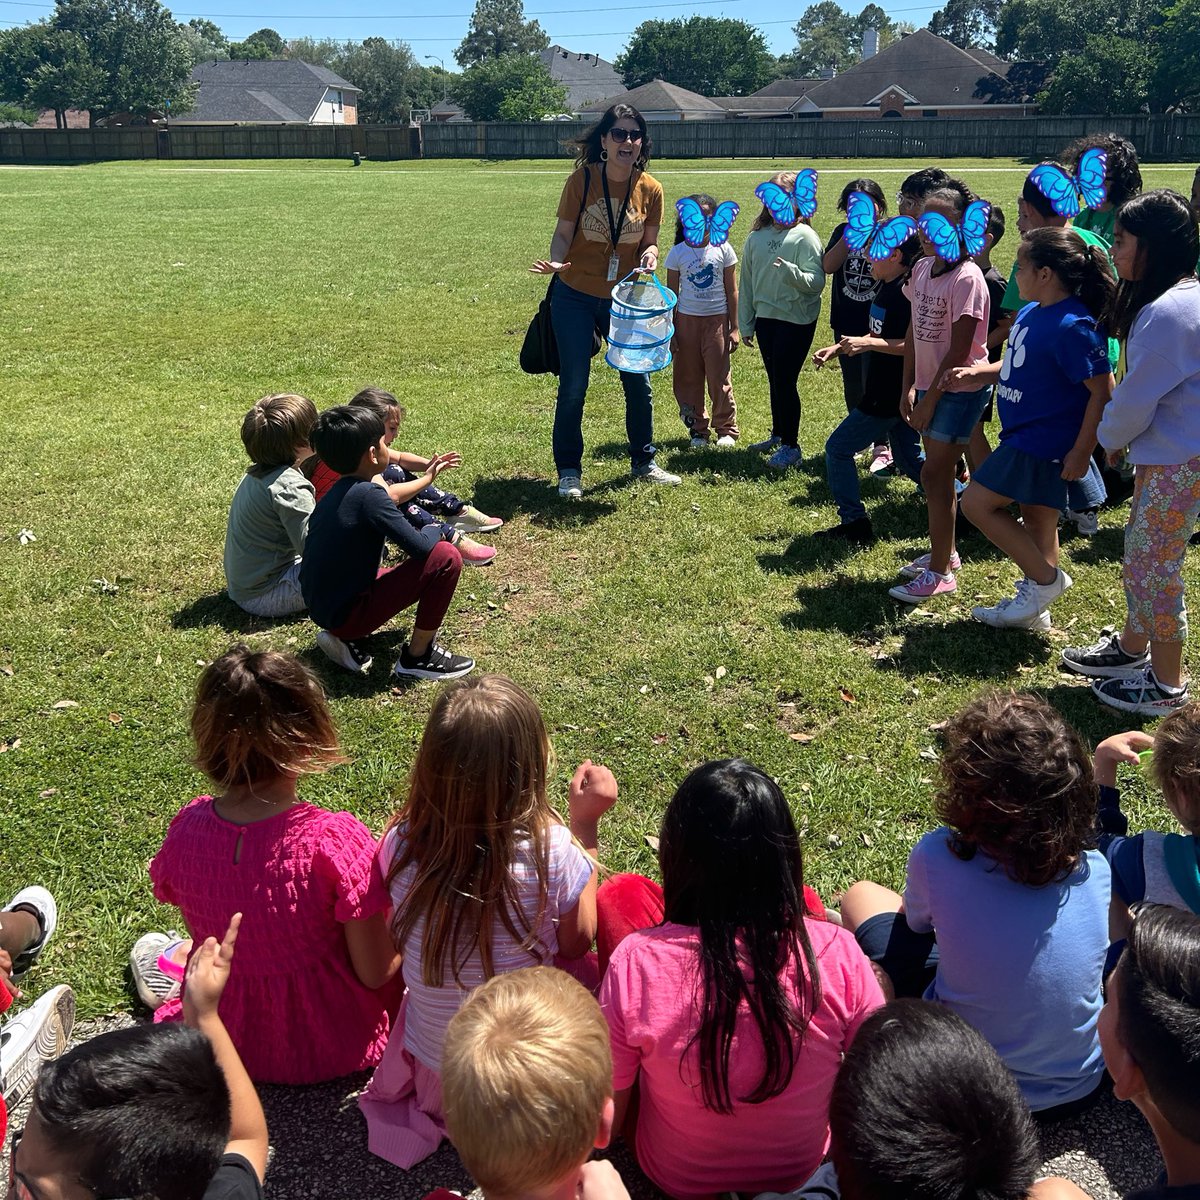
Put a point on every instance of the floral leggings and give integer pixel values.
(1162, 516)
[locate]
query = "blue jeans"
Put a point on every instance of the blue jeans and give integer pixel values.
(574, 315)
(858, 431)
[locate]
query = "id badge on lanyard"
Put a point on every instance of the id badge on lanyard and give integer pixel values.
(614, 268)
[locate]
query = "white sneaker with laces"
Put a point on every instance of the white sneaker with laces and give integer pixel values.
(1086, 522)
(726, 440)
(36, 1034)
(998, 615)
(655, 474)
(39, 903)
(570, 487)
(346, 654)
(699, 443)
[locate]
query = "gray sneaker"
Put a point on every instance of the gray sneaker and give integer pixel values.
(653, 473)
(570, 486)
(36, 1034)
(350, 655)
(768, 445)
(1106, 659)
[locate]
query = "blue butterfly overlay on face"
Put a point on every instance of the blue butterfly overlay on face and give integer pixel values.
(785, 207)
(864, 229)
(1069, 194)
(953, 241)
(696, 225)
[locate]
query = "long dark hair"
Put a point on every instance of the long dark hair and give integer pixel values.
(1164, 224)
(870, 187)
(732, 868)
(588, 146)
(1082, 269)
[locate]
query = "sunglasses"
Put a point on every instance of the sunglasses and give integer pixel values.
(18, 1188)
(620, 135)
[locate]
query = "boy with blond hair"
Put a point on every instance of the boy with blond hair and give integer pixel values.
(527, 1088)
(268, 518)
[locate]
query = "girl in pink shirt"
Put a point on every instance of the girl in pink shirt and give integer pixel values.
(950, 309)
(731, 1016)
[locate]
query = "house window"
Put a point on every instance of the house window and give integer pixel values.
(929, 112)
(892, 114)
(339, 101)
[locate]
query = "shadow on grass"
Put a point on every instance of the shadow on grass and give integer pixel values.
(384, 646)
(1106, 545)
(1073, 698)
(965, 647)
(540, 501)
(217, 609)
(851, 606)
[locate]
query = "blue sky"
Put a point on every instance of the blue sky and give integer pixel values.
(570, 23)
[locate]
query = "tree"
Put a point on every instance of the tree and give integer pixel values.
(714, 56)
(1112, 75)
(827, 36)
(140, 61)
(516, 87)
(321, 52)
(966, 23)
(263, 43)
(1046, 30)
(43, 67)
(385, 72)
(1177, 72)
(498, 27)
(205, 41)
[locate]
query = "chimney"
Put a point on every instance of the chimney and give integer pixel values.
(827, 73)
(870, 43)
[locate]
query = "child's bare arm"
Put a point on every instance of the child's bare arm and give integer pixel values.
(593, 792)
(731, 308)
(962, 334)
(207, 974)
(373, 955)
(620, 1108)
(1100, 390)
(825, 353)
(851, 345)
(402, 493)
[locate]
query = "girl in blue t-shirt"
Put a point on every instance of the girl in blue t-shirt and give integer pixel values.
(1054, 382)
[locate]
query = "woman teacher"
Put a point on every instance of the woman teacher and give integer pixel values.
(608, 221)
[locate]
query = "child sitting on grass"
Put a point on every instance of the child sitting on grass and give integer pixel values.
(1150, 1031)
(922, 1106)
(348, 594)
(404, 468)
(160, 1112)
(1159, 868)
(1004, 916)
(527, 1089)
(268, 519)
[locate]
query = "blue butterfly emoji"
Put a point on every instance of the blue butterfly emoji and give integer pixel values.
(864, 229)
(953, 241)
(1068, 194)
(785, 207)
(696, 225)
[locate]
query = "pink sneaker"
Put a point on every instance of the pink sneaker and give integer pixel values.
(882, 461)
(926, 585)
(919, 566)
(475, 554)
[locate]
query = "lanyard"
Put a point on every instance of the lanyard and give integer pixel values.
(615, 229)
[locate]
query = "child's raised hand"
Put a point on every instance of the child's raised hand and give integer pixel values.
(1120, 748)
(452, 459)
(822, 356)
(208, 973)
(593, 792)
(600, 1181)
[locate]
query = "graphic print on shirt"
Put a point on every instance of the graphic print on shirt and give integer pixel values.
(931, 315)
(1014, 360)
(858, 284)
(594, 222)
(702, 279)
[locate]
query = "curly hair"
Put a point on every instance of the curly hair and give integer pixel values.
(1017, 785)
(1122, 173)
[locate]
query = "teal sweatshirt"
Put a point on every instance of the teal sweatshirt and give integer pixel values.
(791, 292)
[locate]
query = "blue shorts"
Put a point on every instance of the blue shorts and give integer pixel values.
(956, 415)
(910, 959)
(1009, 471)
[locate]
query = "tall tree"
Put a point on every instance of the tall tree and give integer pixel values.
(141, 61)
(498, 27)
(715, 56)
(1112, 75)
(385, 71)
(1177, 71)
(262, 43)
(206, 42)
(967, 23)
(516, 87)
(828, 37)
(321, 52)
(43, 67)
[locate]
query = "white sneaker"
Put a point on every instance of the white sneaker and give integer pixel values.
(1087, 523)
(42, 904)
(1024, 610)
(996, 617)
(655, 474)
(726, 440)
(155, 983)
(699, 443)
(346, 654)
(36, 1034)
(570, 487)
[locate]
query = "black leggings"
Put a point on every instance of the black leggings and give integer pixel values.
(784, 346)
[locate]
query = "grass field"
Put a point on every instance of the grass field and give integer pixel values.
(144, 307)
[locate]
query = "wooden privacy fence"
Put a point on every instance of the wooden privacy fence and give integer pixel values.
(1158, 137)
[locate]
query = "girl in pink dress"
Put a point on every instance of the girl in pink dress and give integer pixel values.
(316, 977)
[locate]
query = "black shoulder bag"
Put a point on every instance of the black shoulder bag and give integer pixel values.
(539, 351)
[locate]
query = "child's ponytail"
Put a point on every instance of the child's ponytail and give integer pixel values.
(1083, 270)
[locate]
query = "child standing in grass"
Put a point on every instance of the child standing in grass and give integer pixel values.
(1004, 916)
(779, 302)
(949, 329)
(706, 332)
(268, 519)
(484, 879)
(303, 1005)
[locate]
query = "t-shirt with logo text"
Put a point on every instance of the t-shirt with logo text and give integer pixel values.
(1042, 394)
(938, 301)
(702, 277)
(592, 245)
(852, 291)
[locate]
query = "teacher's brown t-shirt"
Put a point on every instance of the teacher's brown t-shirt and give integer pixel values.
(590, 250)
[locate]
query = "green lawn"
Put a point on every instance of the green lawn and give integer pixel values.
(144, 307)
